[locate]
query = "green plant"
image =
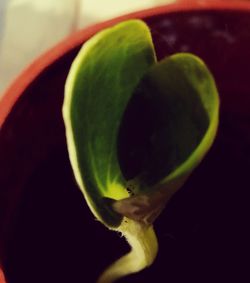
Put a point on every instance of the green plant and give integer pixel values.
(116, 89)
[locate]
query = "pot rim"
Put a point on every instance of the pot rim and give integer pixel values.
(25, 78)
(2, 277)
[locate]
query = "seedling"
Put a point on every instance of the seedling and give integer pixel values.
(136, 128)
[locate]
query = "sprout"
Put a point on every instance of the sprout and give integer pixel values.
(135, 129)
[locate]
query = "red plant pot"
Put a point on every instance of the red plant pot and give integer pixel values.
(47, 233)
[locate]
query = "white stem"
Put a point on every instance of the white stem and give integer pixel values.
(144, 248)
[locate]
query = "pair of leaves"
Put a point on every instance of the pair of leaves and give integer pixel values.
(135, 130)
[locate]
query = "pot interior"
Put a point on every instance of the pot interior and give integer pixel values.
(47, 231)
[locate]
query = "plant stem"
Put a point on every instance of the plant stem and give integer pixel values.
(144, 248)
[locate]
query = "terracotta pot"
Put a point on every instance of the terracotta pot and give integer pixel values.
(47, 233)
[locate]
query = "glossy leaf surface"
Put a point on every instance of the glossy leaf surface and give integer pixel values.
(100, 84)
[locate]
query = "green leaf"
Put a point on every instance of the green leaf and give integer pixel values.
(100, 84)
(175, 118)
(135, 131)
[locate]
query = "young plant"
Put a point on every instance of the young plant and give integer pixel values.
(135, 129)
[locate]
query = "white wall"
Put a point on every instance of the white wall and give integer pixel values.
(29, 27)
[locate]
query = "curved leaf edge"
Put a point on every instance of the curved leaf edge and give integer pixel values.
(185, 169)
(152, 200)
(66, 111)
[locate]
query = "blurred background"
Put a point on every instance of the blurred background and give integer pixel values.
(30, 27)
